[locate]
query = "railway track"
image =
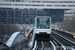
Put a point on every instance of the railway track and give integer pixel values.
(68, 38)
(64, 42)
(42, 45)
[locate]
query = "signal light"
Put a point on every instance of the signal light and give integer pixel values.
(26, 32)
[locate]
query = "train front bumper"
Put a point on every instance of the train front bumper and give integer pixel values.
(42, 36)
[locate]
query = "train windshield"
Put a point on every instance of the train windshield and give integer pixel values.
(43, 23)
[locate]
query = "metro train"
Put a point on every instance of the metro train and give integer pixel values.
(42, 27)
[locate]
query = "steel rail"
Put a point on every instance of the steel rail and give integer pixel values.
(35, 45)
(53, 45)
(42, 45)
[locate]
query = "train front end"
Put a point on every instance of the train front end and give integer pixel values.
(42, 28)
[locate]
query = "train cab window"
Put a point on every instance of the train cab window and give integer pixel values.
(43, 23)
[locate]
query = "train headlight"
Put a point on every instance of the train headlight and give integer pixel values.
(39, 27)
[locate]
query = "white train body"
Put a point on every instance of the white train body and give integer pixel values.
(48, 31)
(43, 26)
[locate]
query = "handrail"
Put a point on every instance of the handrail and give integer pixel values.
(71, 34)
